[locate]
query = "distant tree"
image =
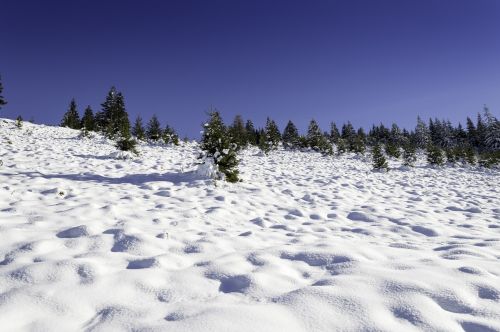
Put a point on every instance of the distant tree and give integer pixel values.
(127, 143)
(19, 122)
(314, 135)
(421, 134)
(71, 118)
(434, 155)
(238, 133)
(3, 102)
(481, 130)
(492, 131)
(392, 150)
(378, 160)
(113, 119)
(334, 133)
(217, 146)
(170, 136)
(252, 133)
(88, 119)
(271, 138)
(409, 155)
(291, 136)
(472, 138)
(153, 131)
(138, 129)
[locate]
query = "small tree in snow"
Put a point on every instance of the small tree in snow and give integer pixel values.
(434, 155)
(270, 138)
(154, 129)
(87, 122)
(138, 129)
(218, 148)
(378, 160)
(3, 102)
(409, 155)
(170, 136)
(291, 136)
(71, 119)
(19, 122)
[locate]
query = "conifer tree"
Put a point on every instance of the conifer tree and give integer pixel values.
(492, 131)
(113, 119)
(434, 155)
(3, 102)
(238, 133)
(378, 160)
(271, 138)
(88, 119)
(153, 131)
(334, 133)
(170, 136)
(421, 134)
(71, 118)
(291, 136)
(138, 129)
(217, 146)
(470, 156)
(314, 136)
(409, 155)
(252, 133)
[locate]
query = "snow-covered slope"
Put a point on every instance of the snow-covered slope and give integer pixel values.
(304, 243)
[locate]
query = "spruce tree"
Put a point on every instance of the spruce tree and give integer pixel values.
(334, 133)
(138, 129)
(88, 119)
(71, 118)
(290, 136)
(492, 131)
(170, 136)
(314, 136)
(470, 155)
(434, 155)
(153, 131)
(252, 133)
(378, 160)
(409, 155)
(421, 134)
(217, 146)
(392, 150)
(113, 120)
(238, 133)
(3, 102)
(271, 138)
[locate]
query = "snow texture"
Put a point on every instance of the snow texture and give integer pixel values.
(305, 243)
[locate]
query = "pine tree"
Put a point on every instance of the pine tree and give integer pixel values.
(378, 160)
(3, 102)
(71, 118)
(492, 131)
(409, 155)
(334, 133)
(138, 129)
(113, 119)
(238, 133)
(471, 133)
(170, 136)
(252, 134)
(290, 136)
(392, 150)
(153, 131)
(217, 146)
(480, 133)
(470, 155)
(271, 138)
(434, 155)
(314, 135)
(88, 119)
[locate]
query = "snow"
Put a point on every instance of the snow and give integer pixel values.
(304, 243)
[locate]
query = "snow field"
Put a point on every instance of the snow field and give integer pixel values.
(304, 243)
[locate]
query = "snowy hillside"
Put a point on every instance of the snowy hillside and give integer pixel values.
(304, 243)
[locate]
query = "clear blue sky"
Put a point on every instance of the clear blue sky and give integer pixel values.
(361, 60)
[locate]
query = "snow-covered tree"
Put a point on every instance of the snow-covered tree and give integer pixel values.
(71, 118)
(271, 136)
(291, 136)
(153, 131)
(19, 122)
(409, 155)
(378, 160)
(252, 133)
(138, 130)
(492, 131)
(434, 155)
(314, 135)
(421, 134)
(218, 149)
(170, 136)
(334, 133)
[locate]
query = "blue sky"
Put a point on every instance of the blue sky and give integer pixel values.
(359, 60)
